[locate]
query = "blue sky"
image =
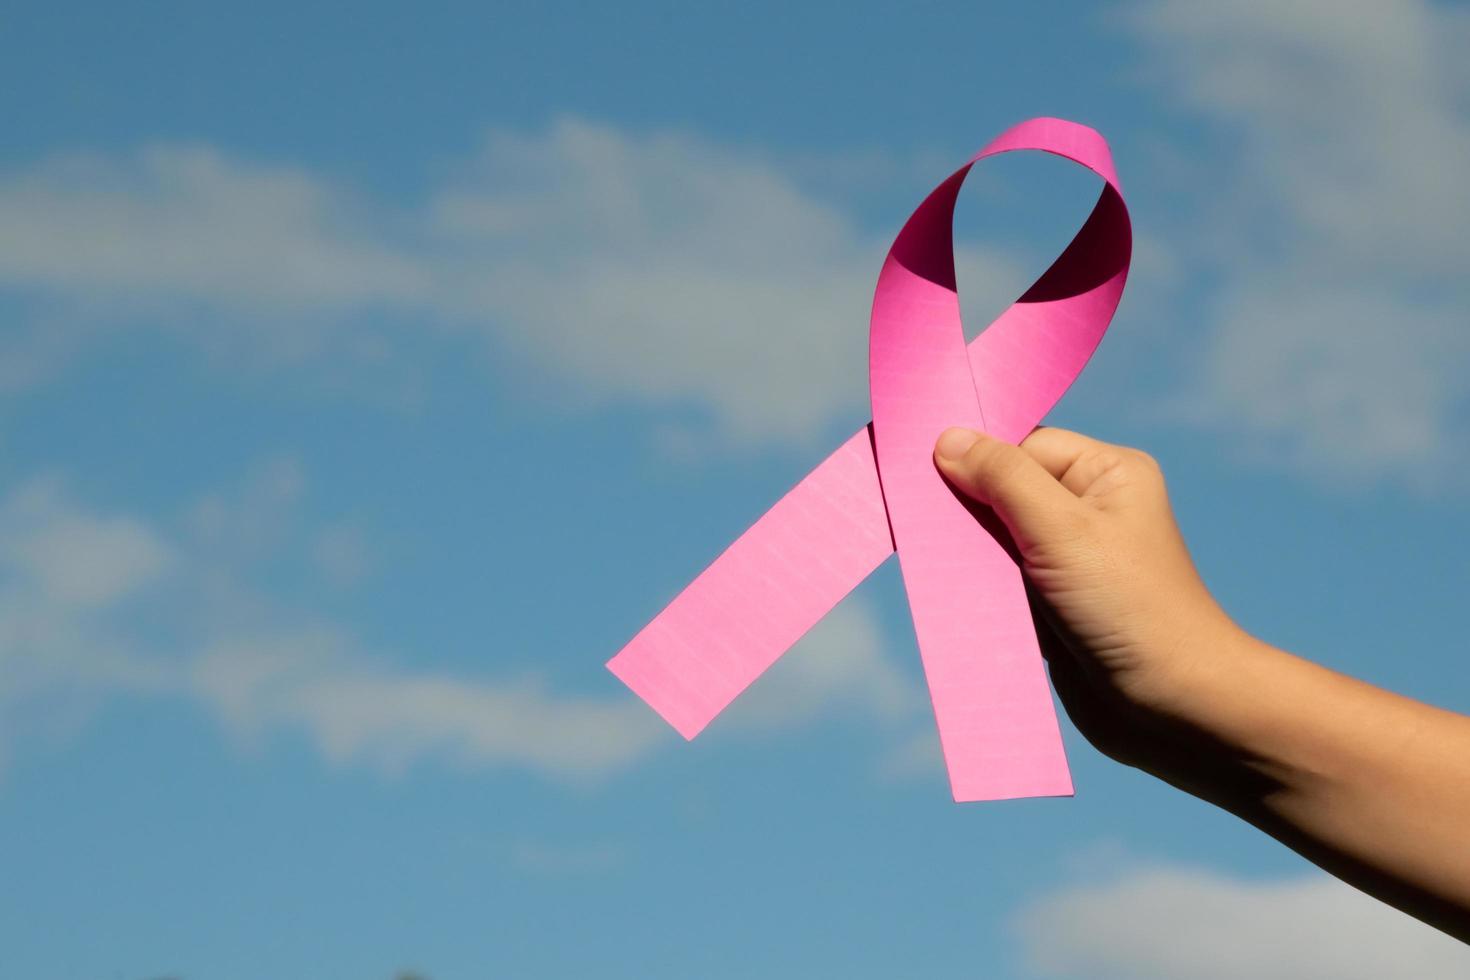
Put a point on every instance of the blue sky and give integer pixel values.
(368, 377)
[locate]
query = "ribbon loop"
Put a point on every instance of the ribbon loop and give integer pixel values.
(880, 492)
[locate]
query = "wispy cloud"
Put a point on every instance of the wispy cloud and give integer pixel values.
(63, 572)
(1335, 220)
(358, 711)
(362, 710)
(662, 269)
(1323, 261)
(919, 755)
(1178, 923)
(67, 558)
(843, 666)
(185, 223)
(95, 606)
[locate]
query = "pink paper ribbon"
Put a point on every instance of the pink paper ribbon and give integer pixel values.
(997, 724)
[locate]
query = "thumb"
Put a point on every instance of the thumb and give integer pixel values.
(1033, 505)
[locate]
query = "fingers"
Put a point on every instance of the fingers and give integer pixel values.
(1025, 495)
(1058, 449)
(1075, 460)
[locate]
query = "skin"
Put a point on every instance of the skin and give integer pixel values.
(1371, 786)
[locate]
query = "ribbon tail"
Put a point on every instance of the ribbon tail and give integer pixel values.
(773, 584)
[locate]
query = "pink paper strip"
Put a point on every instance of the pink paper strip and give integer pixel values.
(986, 678)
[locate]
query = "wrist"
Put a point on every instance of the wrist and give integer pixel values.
(1233, 704)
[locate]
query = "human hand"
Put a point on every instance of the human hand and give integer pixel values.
(1372, 786)
(1131, 635)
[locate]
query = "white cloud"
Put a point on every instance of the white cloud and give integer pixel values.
(65, 639)
(840, 666)
(712, 285)
(72, 558)
(1171, 923)
(1345, 382)
(69, 577)
(1347, 115)
(185, 223)
(660, 269)
(919, 755)
(358, 711)
(63, 572)
(1336, 221)
(678, 271)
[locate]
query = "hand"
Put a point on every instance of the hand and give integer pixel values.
(1372, 786)
(1128, 628)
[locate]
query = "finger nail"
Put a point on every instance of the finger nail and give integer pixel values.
(955, 443)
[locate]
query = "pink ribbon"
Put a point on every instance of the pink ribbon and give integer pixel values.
(880, 492)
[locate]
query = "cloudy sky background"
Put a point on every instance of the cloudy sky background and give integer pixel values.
(367, 379)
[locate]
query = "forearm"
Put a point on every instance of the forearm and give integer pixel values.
(1372, 786)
